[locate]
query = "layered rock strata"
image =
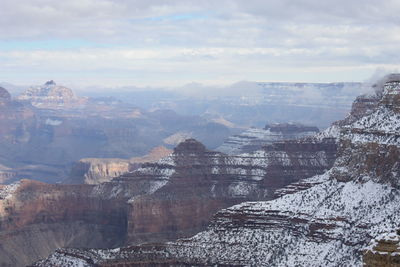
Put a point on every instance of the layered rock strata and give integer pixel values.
(326, 224)
(383, 251)
(100, 170)
(254, 139)
(173, 197)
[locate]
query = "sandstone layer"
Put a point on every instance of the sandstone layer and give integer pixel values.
(383, 251)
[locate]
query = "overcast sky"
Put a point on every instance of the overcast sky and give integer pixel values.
(156, 43)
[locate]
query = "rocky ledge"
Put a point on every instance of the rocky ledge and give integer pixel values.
(383, 251)
(100, 170)
(254, 139)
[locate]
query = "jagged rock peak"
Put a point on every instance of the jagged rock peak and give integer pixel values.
(4, 94)
(190, 146)
(290, 128)
(50, 83)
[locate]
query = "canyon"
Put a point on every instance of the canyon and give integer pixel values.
(172, 198)
(48, 128)
(325, 220)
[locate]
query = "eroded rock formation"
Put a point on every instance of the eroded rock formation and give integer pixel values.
(51, 95)
(326, 220)
(100, 170)
(173, 197)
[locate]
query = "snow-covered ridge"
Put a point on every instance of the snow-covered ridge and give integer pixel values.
(254, 138)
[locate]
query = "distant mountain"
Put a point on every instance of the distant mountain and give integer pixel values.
(247, 104)
(51, 95)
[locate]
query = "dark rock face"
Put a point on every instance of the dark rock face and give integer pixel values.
(37, 217)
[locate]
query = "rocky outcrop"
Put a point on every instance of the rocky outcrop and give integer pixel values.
(383, 251)
(51, 95)
(100, 170)
(328, 223)
(254, 139)
(96, 171)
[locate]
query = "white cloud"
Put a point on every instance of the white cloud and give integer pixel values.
(180, 41)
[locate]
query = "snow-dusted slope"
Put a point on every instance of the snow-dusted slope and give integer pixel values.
(328, 224)
(254, 139)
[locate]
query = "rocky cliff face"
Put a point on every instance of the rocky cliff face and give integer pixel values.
(326, 220)
(254, 139)
(36, 217)
(100, 170)
(173, 197)
(383, 251)
(96, 171)
(203, 181)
